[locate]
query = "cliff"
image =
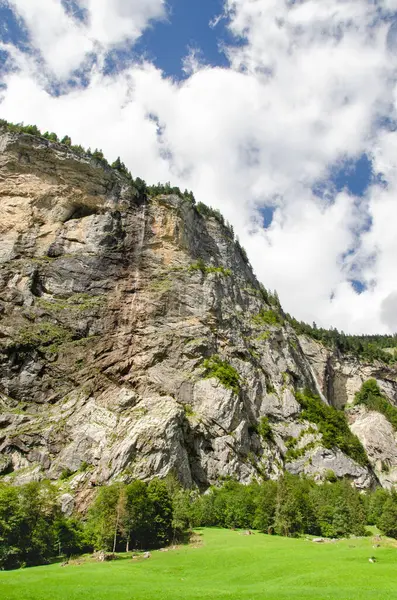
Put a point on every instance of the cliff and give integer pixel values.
(136, 341)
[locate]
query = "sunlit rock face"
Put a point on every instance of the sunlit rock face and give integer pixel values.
(109, 307)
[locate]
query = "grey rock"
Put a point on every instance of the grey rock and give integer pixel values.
(67, 502)
(318, 461)
(380, 442)
(105, 323)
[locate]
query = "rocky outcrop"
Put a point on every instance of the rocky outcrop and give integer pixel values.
(339, 377)
(109, 306)
(380, 442)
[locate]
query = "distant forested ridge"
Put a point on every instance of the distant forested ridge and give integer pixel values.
(365, 347)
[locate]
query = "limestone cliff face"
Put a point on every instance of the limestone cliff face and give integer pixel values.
(108, 308)
(339, 378)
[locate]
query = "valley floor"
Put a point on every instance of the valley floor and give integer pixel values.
(222, 564)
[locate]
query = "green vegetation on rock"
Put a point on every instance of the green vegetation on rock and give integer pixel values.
(142, 189)
(365, 347)
(223, 371)
(332, 425)
(188, 410)
(371, 397)
(42, 336)
(201, 266)
(264, 429)
(294, 452)
(268, 318)
(78, 302)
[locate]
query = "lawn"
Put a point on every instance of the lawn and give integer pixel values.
(226, 565)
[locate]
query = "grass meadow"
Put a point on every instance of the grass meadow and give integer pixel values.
(221, 564)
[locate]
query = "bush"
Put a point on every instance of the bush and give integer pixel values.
(225, 373)
(268, 317)
(388, 520)
(371, 397)
(66, 473)
(332, 425)
(265, 430)
(330, 476)
(201, 266)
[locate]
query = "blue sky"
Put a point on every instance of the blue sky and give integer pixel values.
(311, 87)
(190, 26)
(187, 27)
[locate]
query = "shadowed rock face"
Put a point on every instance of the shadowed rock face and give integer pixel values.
(106, 319)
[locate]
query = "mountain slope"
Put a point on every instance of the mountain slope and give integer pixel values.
(135, 341)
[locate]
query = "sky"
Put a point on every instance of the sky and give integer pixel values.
(281, 113)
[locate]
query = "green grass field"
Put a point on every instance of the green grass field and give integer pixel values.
(224, 564)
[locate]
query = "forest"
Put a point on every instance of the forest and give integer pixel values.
(122, 517)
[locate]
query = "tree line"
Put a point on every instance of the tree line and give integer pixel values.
(140, 185)
(291, 506)
(365, 347)
(33, 530)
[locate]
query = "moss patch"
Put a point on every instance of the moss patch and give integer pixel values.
(44, 336)
(80, 302)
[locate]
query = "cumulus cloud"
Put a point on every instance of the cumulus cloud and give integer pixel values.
(389, 311)
(65, 42)
(310, 84)
(112, 22)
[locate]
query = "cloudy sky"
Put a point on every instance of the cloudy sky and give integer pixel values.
(281, 113)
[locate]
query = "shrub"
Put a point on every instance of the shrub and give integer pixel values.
(265, 430)
(388, 520)
(371, 397)
(268, 317)
(201, 266)
(66, 473)
(225, 373)
(332, 425)
(188, 410)
(330, 476)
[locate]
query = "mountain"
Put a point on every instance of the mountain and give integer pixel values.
(135, 341)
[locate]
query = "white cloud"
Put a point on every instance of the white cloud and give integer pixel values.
(112, 22)
(64, 42)
(303, 92)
